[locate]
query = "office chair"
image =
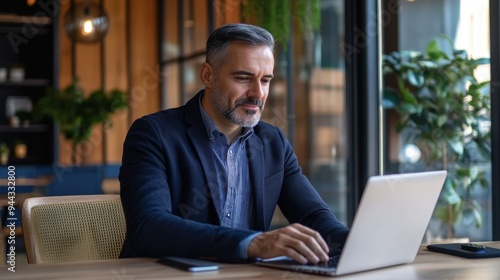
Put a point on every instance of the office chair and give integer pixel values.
(73, 228)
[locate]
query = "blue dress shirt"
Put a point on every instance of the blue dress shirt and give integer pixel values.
(232, 176)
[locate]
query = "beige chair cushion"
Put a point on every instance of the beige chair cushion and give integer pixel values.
(73, 228)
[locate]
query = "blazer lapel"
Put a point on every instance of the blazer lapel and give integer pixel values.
(256, 167)
(197, 133)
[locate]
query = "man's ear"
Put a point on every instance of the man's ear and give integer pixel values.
(207, 75)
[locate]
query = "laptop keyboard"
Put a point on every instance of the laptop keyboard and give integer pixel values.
(331, 263)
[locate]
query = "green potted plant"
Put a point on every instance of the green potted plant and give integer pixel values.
(439, 100)
(24, 117)
(4, 153)
(77, 113)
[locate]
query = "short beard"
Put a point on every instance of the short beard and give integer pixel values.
(222, 104)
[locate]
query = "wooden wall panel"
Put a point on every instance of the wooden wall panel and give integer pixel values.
(144, 91)
(232, 11)
(65, 50)
(227, 11)
(65, 77)
(145, 83)
(88, 70)
(116, 76)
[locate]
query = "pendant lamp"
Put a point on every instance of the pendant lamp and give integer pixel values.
(86, 22)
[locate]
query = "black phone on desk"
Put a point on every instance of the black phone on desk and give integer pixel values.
(188, 264)
(465, 250)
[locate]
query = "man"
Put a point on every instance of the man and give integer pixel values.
(203, 180)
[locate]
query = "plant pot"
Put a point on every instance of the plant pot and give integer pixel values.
(14, 121)
(20, 150)
(3, 74)
(16, 74)
(4, 159)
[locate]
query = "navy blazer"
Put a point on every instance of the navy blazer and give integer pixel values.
(166, 172)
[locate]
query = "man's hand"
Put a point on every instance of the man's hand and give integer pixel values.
(295, 241)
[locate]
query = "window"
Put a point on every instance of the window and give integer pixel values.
(465, 206)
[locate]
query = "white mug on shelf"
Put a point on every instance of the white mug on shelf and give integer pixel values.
(3, 74)
(16, 74)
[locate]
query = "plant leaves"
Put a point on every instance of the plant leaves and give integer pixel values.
(449, 194)
(409, 108)
(441, 120)
(415, 79)
(456, 146)
(449, 110)
(77, 114)
(391, 98)
(434, 51)
(482, 61)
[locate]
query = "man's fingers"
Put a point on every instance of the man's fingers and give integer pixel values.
(314, 234)
(308, 242)
(295, 241)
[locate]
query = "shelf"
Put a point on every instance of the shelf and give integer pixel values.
(25, 24)
(28, 83)
(30, 128)
(42, 30)
(28, 37)
(27, 160)
(11, 18)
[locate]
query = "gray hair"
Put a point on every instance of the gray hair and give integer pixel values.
(220, 39)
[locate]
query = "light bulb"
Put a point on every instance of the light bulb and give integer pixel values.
(88, 27)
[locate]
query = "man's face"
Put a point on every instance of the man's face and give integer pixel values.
(241, 87)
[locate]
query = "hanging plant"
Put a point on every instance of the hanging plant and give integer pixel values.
(274, 15)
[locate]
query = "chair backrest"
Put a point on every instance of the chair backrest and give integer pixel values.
(73, 228)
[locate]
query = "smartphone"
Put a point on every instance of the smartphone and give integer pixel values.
(187, 264)
(469, 250)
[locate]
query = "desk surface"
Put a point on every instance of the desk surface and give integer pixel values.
(427, 265)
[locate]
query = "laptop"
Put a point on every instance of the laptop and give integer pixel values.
(388, 227)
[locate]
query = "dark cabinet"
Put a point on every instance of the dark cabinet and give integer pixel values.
(28, 66)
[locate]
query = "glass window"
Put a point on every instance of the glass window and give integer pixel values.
(195, 26)
(192, 83)
(443, 122)
(182, 49)
(324, 74)
(317, 88)
(170, 43)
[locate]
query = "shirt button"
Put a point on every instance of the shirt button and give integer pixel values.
(228, 215)
(230, 152)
